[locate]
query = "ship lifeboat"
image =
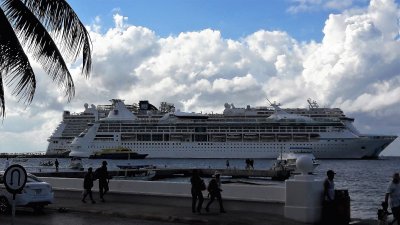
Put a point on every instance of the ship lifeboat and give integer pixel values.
(300, 136)
(234, 136)
(268, 136)
(250, 136)
(284, 136)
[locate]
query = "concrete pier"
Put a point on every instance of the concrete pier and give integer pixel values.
(167, 202)
(171, 172)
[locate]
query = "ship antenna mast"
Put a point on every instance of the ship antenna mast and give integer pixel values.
(312, 104)
(269, 101)
(275, 105)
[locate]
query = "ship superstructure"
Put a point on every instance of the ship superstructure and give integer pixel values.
(263, 132)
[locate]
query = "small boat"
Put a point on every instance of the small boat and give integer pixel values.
(137, 175)
(19, 160)
(117, 153)
(46, 163)
(76, 164)
(135, 167)
(287, 161)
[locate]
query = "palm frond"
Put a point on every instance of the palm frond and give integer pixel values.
(59, 18)
(15, 69)
(39, 42)
(2, 102)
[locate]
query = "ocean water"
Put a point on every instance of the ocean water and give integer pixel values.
(366, 180)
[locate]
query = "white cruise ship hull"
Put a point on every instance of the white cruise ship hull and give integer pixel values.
(357, 148)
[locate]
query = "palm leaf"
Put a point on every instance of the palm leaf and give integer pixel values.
(38, 41)
(57, 16)
(15, 68)
(2, 103)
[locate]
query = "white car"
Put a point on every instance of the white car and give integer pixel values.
(36, 194)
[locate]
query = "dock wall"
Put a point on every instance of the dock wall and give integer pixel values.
(261, 198)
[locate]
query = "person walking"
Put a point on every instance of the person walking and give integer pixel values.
(393, 192)
(198, 186)
(214, 188)
(227, 164)
(104, 179)
(87, 185)
(56, 164)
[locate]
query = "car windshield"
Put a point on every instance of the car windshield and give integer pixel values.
(32, 178)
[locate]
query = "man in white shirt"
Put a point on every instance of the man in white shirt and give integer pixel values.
(329, 186)
(393, 192)
(329, 208)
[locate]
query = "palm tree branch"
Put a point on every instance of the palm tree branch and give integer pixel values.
(39, 42)
(15, 69)
(2, 102)
(58, 17)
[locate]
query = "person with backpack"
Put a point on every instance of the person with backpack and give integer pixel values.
(214, 189)
(87, 185)
(104, 179)
(198, 186)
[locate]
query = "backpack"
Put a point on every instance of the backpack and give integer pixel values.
(212, 185)
(202, 185)
(96, 174)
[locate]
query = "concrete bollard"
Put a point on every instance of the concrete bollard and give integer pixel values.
(304, 195)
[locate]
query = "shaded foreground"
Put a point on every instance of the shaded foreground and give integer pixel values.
(68, 209)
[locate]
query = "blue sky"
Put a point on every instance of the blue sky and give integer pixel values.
(234, 18)
(200, 54)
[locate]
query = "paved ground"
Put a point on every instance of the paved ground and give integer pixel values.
(70, 210)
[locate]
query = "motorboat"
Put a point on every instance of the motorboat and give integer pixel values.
(135, 167)
(76, 164)
(19, 160)
(287, 161)
(117, 153)
(46, 163)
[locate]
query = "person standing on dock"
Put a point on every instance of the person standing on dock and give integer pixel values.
(56, 164)
(393, 192)
(329, 198)
(198, 186)
(251, 164)
(87, 186)
(214, 188)
(103, 177)
(7, 164)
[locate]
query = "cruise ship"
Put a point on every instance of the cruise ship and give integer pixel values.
(260, 132)
(73, 124)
